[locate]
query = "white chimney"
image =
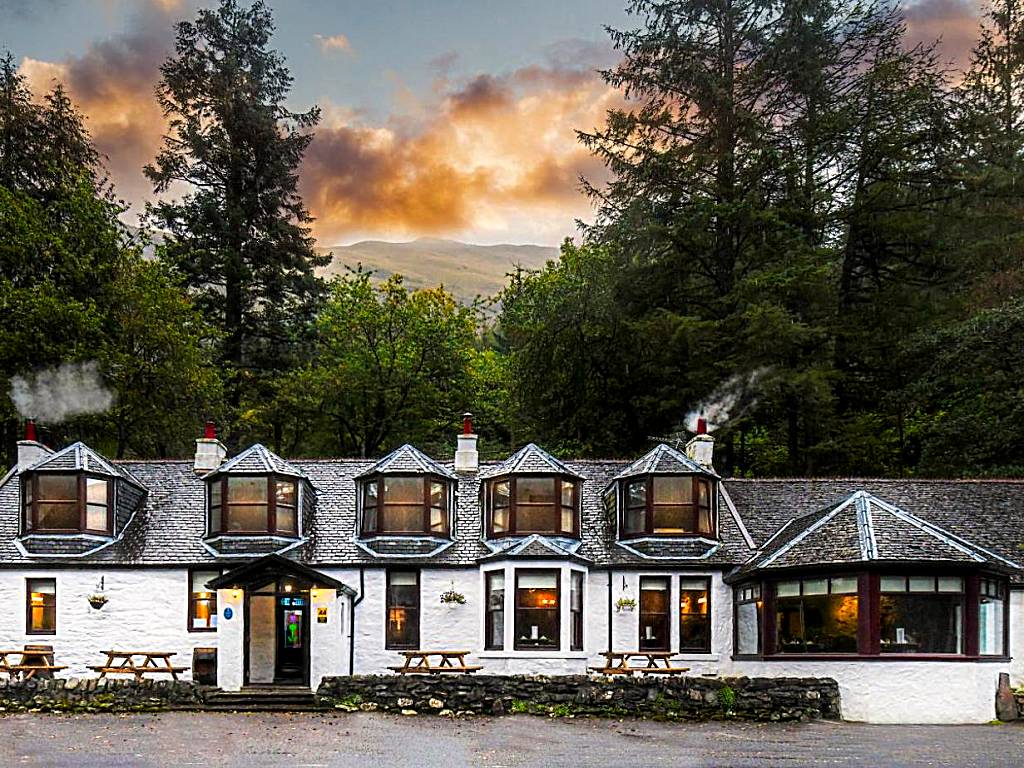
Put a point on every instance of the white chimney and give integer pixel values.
(30, 450)
(210, 452)
(701, 447)
(466, 457)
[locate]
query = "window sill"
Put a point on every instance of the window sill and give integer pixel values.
(933, 657)
(580, 655)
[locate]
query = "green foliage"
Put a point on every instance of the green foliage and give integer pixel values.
(726, 698)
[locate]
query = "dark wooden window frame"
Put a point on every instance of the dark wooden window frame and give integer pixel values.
(428, 480)
(558, 481)
(30, 510)
(869, 618)
(226, 504)
(489, 612)
(863, 632)
(29, 583)
(558, 610)
(667, 581)
(756, 599)
(192, 599)
(577, 623)
(387, 609)
(706, 647)
(649, 506)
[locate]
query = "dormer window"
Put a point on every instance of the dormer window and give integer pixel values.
(67, 503)
(254, 505)
(522, 505)
(667, 505)
(405, 505)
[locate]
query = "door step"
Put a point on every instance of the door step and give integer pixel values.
(263, 699)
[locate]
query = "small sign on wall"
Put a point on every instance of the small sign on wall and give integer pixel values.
(228, 613)
(321, 615)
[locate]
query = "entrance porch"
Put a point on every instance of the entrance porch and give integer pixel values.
(281, 623)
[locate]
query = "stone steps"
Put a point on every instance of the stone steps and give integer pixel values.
(263, 699)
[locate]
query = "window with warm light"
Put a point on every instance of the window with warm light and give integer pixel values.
(202, 602)
(817, 615)
(921, 614)
(403, 610)
(667, 505)
(694, 615)
(254, 504)
(405, 505)
(654, 602)
(67, 503)
(41, 607)
(533, 504)
(537, 625)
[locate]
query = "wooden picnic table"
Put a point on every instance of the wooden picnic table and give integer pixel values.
(128, 663)
(418, 663)
(639, 662)
(31, 660)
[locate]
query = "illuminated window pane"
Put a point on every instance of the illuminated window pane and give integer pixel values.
(673, 490)
(654, 612)
(537, 612)
(403, 610)
(42, 606)
(247, 490)
(403, 490)
(535, 490)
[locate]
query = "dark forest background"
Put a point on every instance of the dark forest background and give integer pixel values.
(813, 236)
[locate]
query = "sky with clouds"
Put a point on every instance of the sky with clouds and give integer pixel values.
(451, 118)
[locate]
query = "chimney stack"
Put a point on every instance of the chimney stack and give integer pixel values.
(30, 450)
(210, 452)
(466, 457)
(701, 447)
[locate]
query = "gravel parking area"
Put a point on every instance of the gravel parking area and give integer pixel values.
(381, 741)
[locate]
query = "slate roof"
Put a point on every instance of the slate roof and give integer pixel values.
(865, 529)
(256, 459)
(169, 524)
(534, 547)
(78, 457)
(664, 460)
(530, 459)
(408, 460)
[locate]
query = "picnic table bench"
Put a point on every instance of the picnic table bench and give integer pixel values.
(32, 660)
(418, 663)
(125, 663)
(649, 663)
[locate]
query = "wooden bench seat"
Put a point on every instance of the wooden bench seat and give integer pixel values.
(137, 671)
(434, 670)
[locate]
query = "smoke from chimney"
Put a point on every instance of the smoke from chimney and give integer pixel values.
(59, 393)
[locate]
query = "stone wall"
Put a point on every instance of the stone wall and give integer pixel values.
(93, 695)
(687, 698)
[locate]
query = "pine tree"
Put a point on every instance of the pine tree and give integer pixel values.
(240, 233)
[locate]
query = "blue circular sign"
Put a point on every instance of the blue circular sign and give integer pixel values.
(228, 613)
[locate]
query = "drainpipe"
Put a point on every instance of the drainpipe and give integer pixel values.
(352, 624)
(609, 610)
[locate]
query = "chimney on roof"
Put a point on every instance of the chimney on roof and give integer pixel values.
(701, 447)
(30, 450)
(210, 452)
(466, 457)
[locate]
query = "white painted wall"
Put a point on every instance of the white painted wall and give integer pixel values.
(146, 610)
(946, 692)
(231, 639)
(328, 652)
(262, 634)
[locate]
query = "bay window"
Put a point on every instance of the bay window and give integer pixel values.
(533, 504)
(253, 504)
(921, 614)
(67, 503)
(405, 505)
(694, 615)
(667, 505)
(494, 619)
(403, 610)
(537, 625)
(817, 615)
(878, 615)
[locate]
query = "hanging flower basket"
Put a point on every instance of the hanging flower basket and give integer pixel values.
(625, 604)
(97, 600)
(451, 598)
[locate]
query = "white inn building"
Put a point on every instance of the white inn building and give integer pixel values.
(908, 592)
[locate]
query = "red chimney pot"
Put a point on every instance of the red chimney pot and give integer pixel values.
(210, 431)
(702, 426)
(467, 423)
(30, 430)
